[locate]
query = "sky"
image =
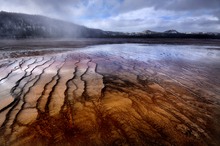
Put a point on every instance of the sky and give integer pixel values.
(127, 15)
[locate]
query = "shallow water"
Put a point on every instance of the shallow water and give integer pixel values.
(142, 52)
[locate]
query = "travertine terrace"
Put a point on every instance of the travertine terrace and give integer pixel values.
(126, 94)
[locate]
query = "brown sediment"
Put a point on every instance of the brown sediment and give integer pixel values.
(89, 99)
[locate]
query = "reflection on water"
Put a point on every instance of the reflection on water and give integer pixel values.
(157, 52)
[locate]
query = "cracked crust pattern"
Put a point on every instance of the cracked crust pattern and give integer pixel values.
(84, 98)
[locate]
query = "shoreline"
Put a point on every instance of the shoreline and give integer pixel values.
(79, 43)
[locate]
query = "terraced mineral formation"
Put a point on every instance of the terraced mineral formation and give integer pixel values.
(112, 95)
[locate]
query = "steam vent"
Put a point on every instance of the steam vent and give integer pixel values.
(126, 94)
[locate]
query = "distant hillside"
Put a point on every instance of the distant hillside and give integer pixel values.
(16, 25)
(175, 34)
(21, 26)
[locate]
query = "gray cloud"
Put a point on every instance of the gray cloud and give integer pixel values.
(177, 5)
(194, 5)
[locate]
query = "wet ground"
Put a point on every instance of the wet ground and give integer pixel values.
(120, 94)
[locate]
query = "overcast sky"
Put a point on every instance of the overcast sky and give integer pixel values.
(127, 15)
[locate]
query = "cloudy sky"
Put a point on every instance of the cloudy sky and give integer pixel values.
(127, 15)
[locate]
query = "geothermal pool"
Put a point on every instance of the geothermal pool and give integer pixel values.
(134, 94)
